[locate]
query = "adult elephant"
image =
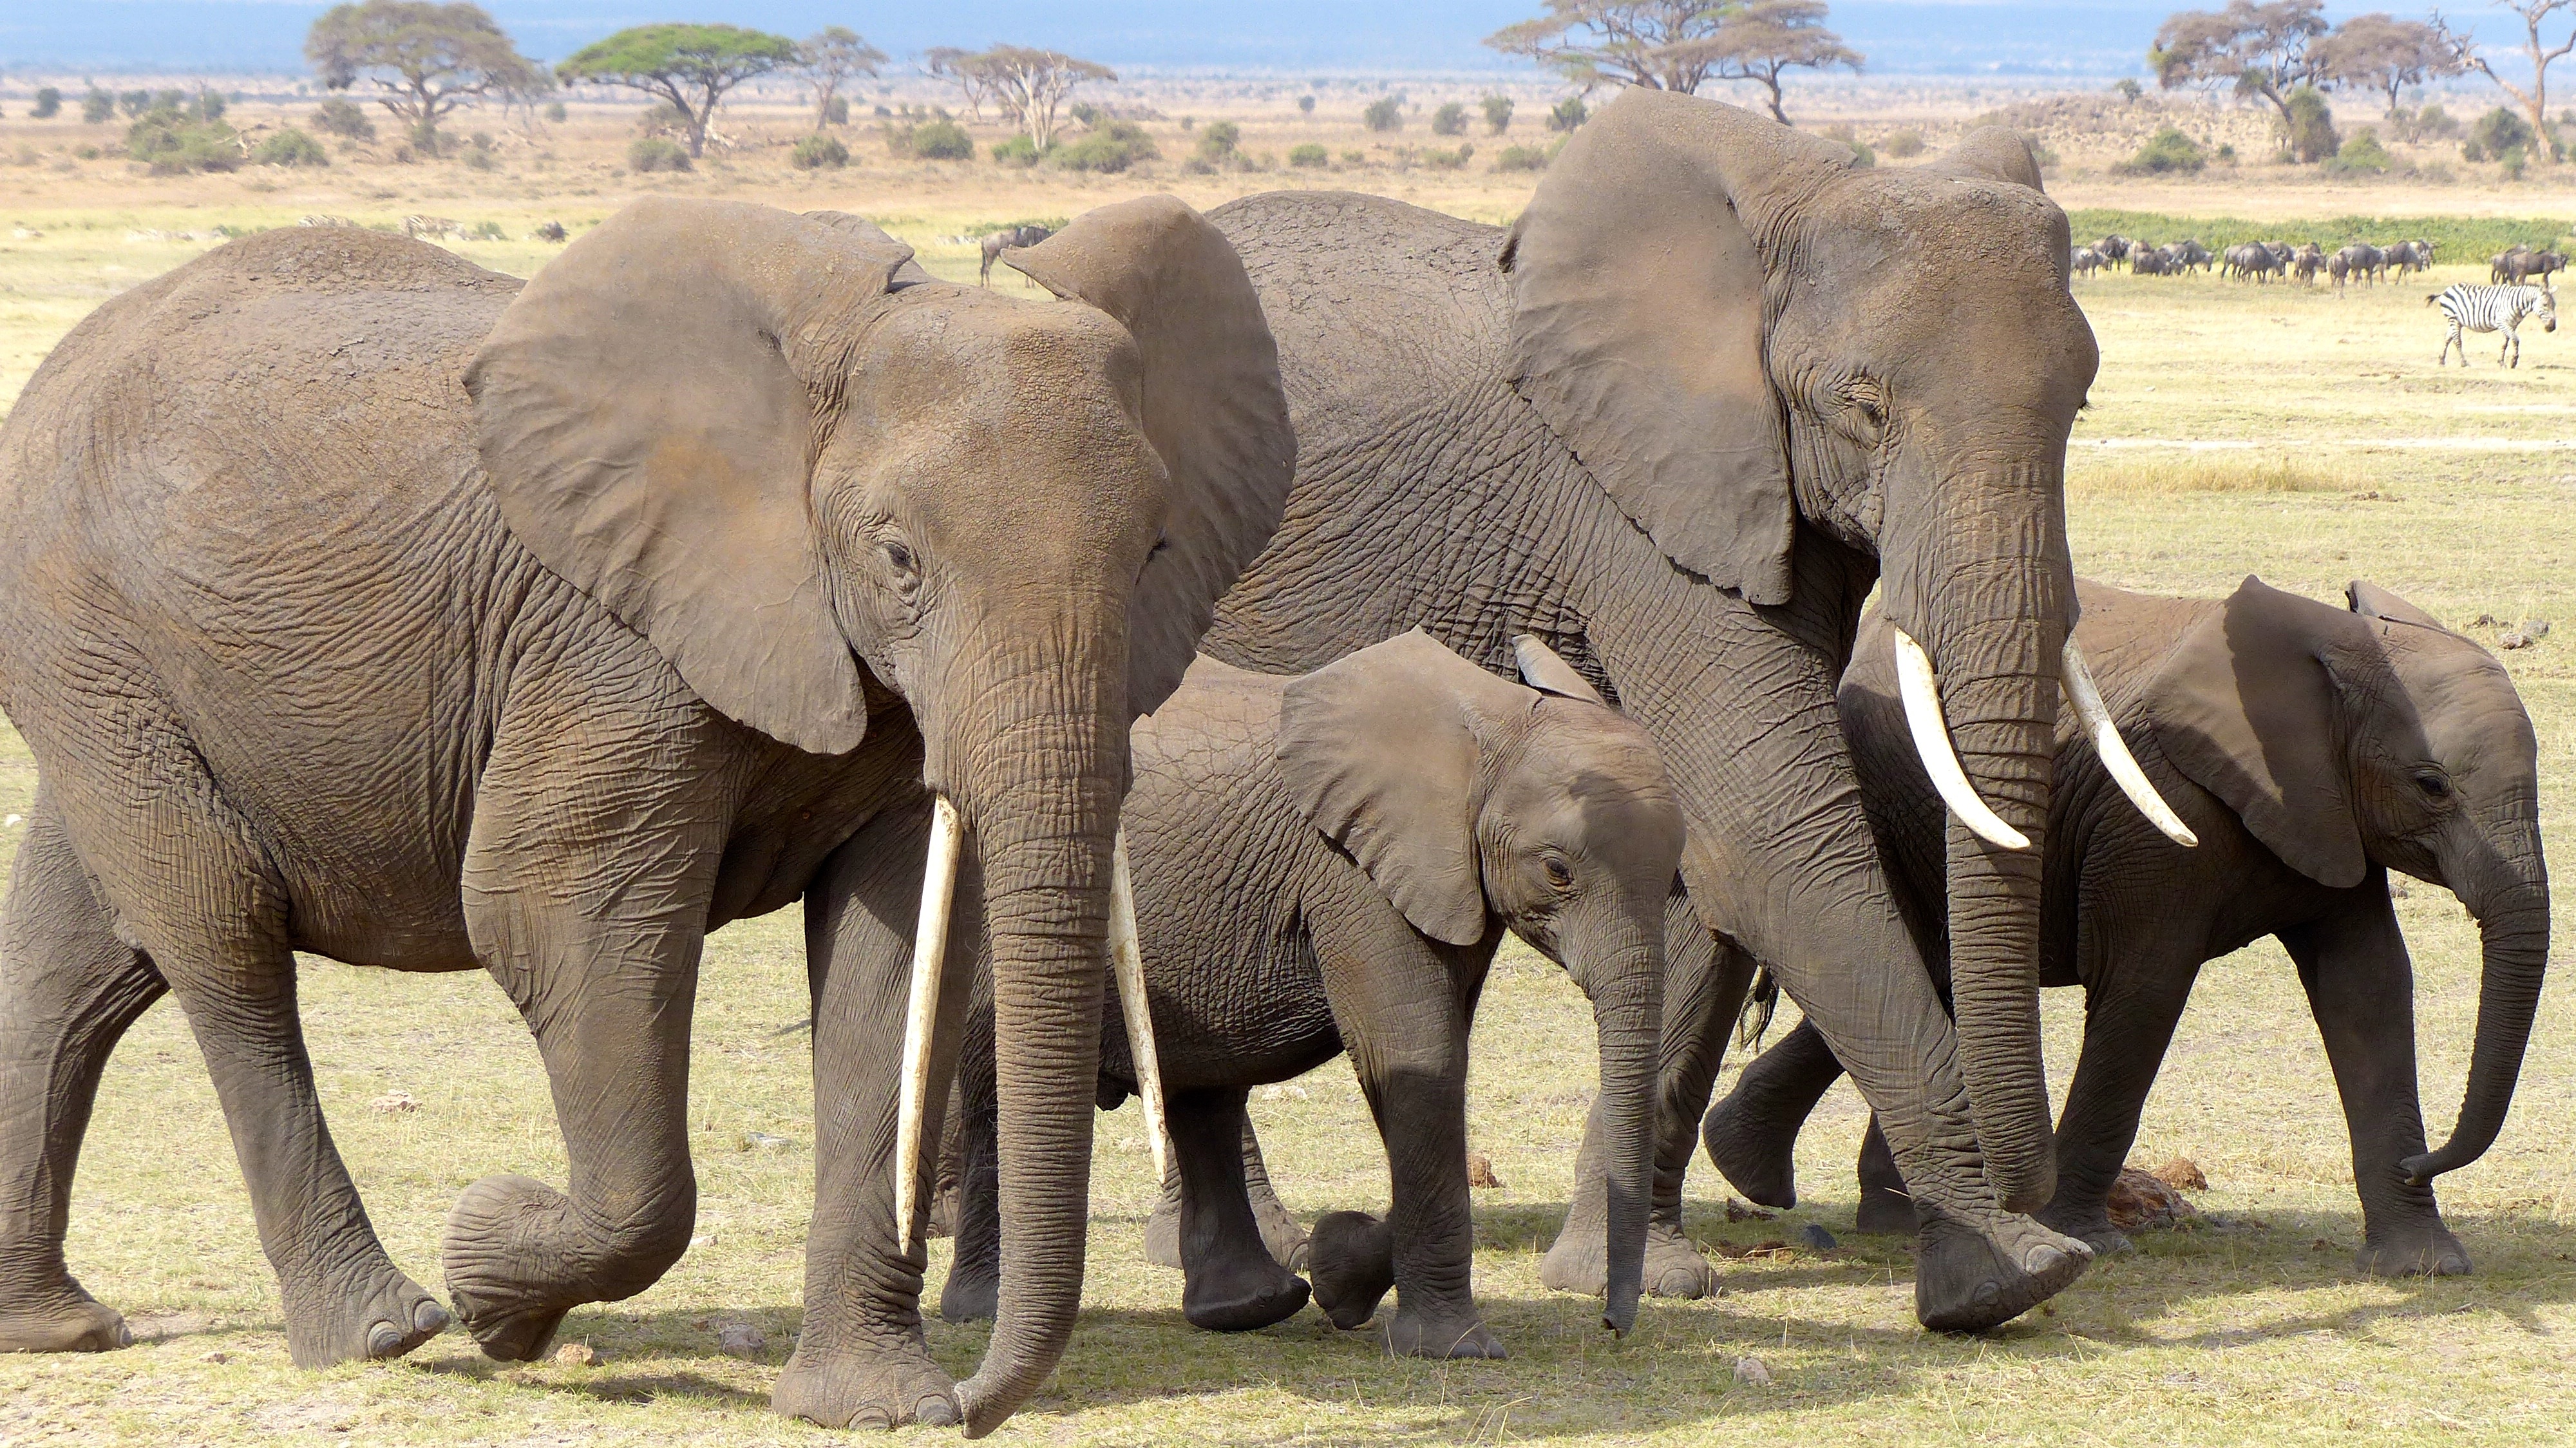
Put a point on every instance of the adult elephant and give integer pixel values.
(1713, 385)
(358, 601)
(2313, 749)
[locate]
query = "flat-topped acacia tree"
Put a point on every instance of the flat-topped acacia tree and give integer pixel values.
(691, 66)
(427, 59)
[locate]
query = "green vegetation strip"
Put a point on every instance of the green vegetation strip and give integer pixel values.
(2454, 238)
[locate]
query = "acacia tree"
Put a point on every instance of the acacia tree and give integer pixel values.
(2265, 50)
(1029, 84)
(1770, 36)
(2386, 54)
(1661, 44)
(947, 63)
(691, 66)
(827, 59)
(427, 58)
(2535, 102)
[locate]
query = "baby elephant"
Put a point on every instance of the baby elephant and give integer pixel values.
(1329, 863)
(2312, 749)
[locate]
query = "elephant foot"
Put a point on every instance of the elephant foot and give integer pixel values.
(1282, 1235)
(64, 1320)
(1411, 1334)
(380, 1321)
(2089, 1225)
(2416, 1252)
(1579, 1262)
(1885, 1211)
(518, 1257)
(1977, 1274)
(1756, 1158)
(972, 1293)
(1352, 1261)
(1163, 1232)
(1239, 1294)
(885, 1388)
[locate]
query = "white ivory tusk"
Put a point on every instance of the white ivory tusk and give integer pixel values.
(2090, 711)
(929, 953)
(1921, 690)
(1127, 958)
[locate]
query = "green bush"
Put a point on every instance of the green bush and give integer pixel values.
(1114, 147)
(135, 102)
(1355, 158)
(836, 111)
(1902, 144)
(2513, 160)
(1450, 120)
(2167, 151)
(291, 147)
(1521, 158)
(1217, 142)
(1384, 115)
(1569, 113)
(487, 231)
(1305, 105)
(1450, 160)
(652, 153)
(816, 152)
(555, 111)
(208, 107)
(2362, 153)
(49, 103)
(345, 119)
(1017, 151)
(97, 106)
(2311, 135)
(939, 139)
(1498, 114)
(173, 145)
(1309, 157)
(2495, 133)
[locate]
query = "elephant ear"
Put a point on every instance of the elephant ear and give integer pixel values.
(1639, 318)
(645, 412)
(2246, 705)
(1990, 152)
(1543, 669)
(2369, 600)
(1213, 409)
(1380, 752)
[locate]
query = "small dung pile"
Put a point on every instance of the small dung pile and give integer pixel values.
(2141, 1199)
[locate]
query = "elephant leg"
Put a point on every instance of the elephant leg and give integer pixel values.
(973, 1291)
(68, 991)
(861, 1359)
(2129, 1022)
(1752, 1135)
(589, 908)
(1704, 983)
(1282, 1235)
(1404, 1014)
(2361, 988)
(1885, 1205)
(1233, 1284)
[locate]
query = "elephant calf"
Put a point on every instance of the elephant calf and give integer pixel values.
(1330, 862)
(2312, 749)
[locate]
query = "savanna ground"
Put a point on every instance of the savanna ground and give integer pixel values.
(2234, 429)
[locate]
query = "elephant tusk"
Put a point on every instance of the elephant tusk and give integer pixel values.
(2086, 696)
(1921, 690)
(929, 954)
(1127, 958)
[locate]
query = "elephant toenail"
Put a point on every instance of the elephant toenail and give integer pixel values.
(935, 1411)
(2041, 1260)
(1988, 1293)
(871, 1418)
(124, 1335)
(429, 1317)
(384, 1340)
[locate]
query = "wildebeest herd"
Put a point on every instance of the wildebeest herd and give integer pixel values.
(1312, 593)
(2264, 261)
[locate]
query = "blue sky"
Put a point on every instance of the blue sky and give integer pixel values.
(1343, 36)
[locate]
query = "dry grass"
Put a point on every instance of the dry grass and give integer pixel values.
(2353, 457)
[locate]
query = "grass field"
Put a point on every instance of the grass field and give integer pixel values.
(2234, 429)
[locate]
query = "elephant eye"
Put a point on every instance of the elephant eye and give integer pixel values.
(1559, 873)
(2434, 783)
(899, 558)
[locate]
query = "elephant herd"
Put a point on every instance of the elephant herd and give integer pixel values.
(1166, 688)
(2263, 261)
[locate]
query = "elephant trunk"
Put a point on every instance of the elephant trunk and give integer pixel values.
(2513, 930)
(1992, 590)
(1043, 803)
(1628, 1014)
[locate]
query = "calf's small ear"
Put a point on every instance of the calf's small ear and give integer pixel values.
(2369, 600)
(1543, 669)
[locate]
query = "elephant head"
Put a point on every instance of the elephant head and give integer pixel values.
(2376, 736)
(1754, 345)
(811, 474)
(1467, 797)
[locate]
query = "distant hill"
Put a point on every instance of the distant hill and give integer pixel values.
(1900, 37)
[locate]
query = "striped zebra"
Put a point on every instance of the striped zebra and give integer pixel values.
(2474, 308)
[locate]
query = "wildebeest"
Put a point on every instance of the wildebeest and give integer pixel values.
(2251, 260)
(995, 243)
(2408, 256)
(2114, 247)
(2522, 264)
(2307, 261)
(2365, 261)
(2085, 261)
(2338, 267)
(2151, 261)
(2188, 253)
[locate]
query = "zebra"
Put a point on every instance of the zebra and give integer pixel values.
(2492, 309)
